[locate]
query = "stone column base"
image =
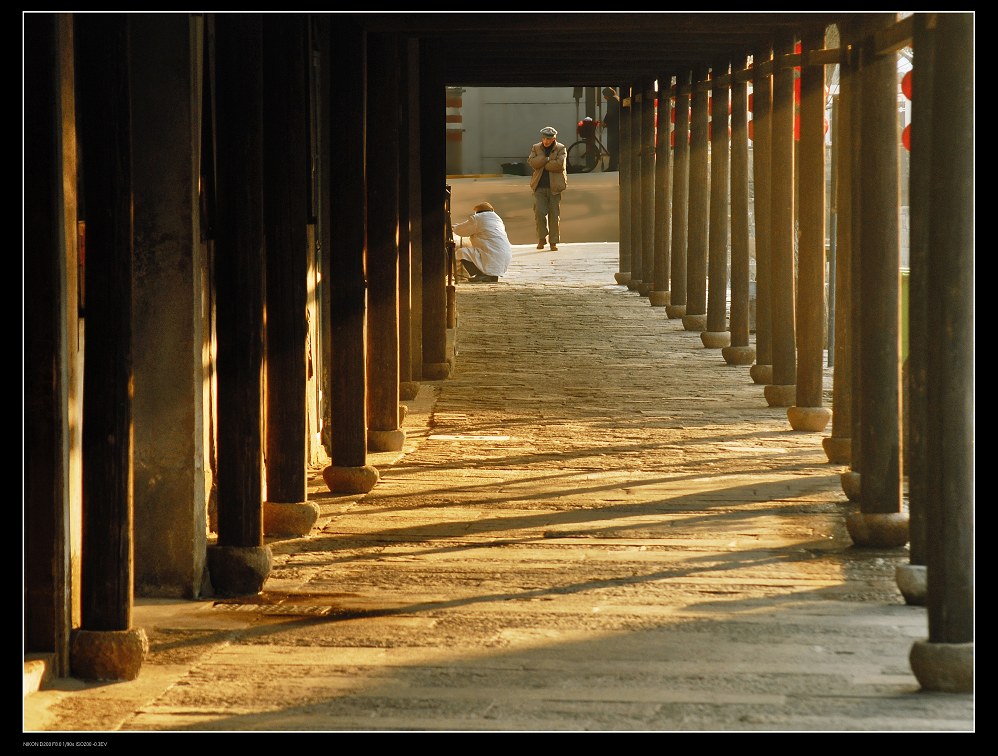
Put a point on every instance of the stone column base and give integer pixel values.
(385, 440)
(239, 570)
(659, 298)
(695, 322)
(911, 580)
(809, 418)
(716, 339)
(761, 374)
(780, 395)
(350, 480)
(850, 485)
(645, 288)
(738, 355)
(633, 283)
(675, 311)
(622, 278)
(107, 654)
(408, 390)
(884, 529)
(436, 371)
(838, 449)
(291, 518)
(943, 667)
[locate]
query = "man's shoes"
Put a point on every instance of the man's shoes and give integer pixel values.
(554, 247)
(540, 244)
(483, 279)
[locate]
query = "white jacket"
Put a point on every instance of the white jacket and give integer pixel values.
(485, 243)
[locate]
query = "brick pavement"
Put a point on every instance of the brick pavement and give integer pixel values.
(595, 525)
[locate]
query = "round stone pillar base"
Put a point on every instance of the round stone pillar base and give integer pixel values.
(675, 310)
(291, 518)
(943, 667)
(107, 654)
(408, 390)
(912, 583)
(738, 355)
(633, 284)
(850, 485)
(436, 371)
(809, 418)
(385, 440)
(659, 298)
(695, 322)
(780, 395)
(838, 449)
(645, 288)
(715, 339)
(239, 570)
(884, 529)
(622, 278)
(350, 480)
(761, 374)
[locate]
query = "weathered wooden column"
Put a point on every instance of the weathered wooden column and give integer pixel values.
(782, 391)
(638, 273)
(437, 362)
(286, 510)
(680, 141)
(383, 126)
(808, 413)
(106, 646)
(623, 274)
(911, 578)
(739, 352)
(240, 562)
(659, 295)
(716, 334)
(880, 521)
(648, 188)
(695, 318)
(348, 471)
(762, 164)
(945, 661)
(838, 446)
(51, 317)
(408, 389)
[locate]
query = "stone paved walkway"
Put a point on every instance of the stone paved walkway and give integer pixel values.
(595, 525)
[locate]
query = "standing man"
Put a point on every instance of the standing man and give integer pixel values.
(549, 159)
(612, 123)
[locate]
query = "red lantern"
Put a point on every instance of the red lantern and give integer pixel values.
(750, 102)
(906, 137)
(751, 130)
(906, 85)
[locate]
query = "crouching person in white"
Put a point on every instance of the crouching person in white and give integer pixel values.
(484, 251)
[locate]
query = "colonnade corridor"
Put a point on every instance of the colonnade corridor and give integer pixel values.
(595, 524)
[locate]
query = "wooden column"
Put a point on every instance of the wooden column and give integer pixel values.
(106, 647)
(880, 521)
(762, 162)
(808, 414)
(739, 352)
(716, 334)
(383, 126)
(286, 177)
(348, 471)
(680, 197)
(437, 363)
(782, 391)
(659, 295)
(415, 215)
(648, 188)
(50, 318)
(915, 460)
(838, 446)
(408, 175)
(638, 273)
(945, 662)
(623, 275)
(695, 318)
